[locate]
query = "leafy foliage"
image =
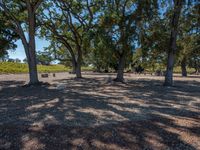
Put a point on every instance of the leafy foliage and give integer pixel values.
(110, 34)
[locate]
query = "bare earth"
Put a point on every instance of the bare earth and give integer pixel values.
(97, 113)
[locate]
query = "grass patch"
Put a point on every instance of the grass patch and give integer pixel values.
(177, 69)
(10, 67)
(189, 70)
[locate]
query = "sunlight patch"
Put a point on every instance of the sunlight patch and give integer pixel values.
(29, 142)
(104, 116)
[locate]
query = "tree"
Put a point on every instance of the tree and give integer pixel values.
(122, 20)
(7, 37)
(188, 42)
(194, 55)
(172, 45)
(25, 60)
(58, 52)
(17, 60)
(69, 26)
(154, 40)
(22, 14)
(44, 58)
(155, 37)
(102, 54)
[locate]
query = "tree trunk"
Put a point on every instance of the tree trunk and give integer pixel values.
(169, 72)
(73, 66)
(32, 52)
(172, 46)
(183, 67)
(33, 71)
(197, 70)
(98, 68)
(120, 70)
(78, 70)
(78, 63)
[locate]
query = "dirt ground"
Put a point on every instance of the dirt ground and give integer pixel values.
(97, 113)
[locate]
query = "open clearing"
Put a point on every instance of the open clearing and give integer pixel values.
(97, 113)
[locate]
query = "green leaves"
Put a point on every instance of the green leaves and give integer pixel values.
(7, 36)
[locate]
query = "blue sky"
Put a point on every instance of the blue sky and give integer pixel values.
(20, 53)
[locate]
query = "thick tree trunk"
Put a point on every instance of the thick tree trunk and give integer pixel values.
(183, 67)
(78, 63)
(73, 66)
(78, 70)
(33, 74)
(169, 72)
(172, 47)
(33, 71)
(120, 70)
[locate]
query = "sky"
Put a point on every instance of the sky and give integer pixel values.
(20, 53)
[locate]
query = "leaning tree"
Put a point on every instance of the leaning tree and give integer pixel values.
(22, 15)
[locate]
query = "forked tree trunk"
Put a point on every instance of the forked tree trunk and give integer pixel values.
(120, 70)
(183, 67)
(172, 46)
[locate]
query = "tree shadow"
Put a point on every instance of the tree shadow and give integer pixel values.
(96, 114)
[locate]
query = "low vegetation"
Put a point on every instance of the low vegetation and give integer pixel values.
(13, 67)
(10, 67)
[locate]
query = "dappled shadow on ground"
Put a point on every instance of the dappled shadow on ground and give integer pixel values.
(100, 114)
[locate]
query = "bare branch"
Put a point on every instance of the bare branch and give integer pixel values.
(37, 5)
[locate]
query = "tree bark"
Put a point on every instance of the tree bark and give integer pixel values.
(183, 67)
(73, 66)
(33, 71)
(33, 74)
(169, 72)
(172, 46)
(120, 70)
(78, 64)
(78, 70)
(197, 70)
